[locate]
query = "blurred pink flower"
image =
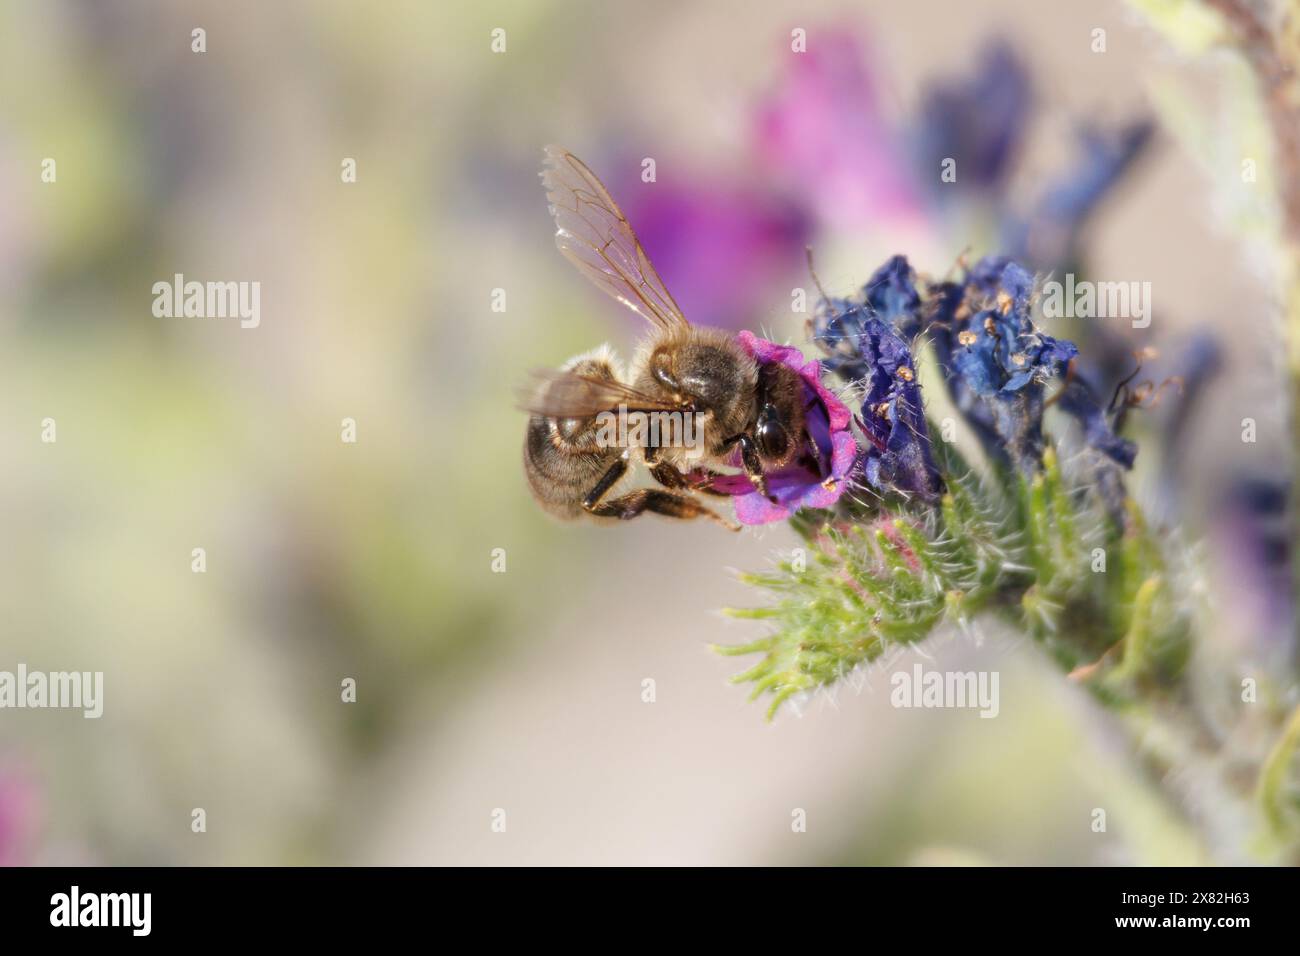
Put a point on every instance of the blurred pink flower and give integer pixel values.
(822, 130)
(721, 245)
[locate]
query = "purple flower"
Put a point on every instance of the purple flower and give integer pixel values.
(997, 362)
(995, 359)
(865, 348)
(979, 123)
(824, 131)
(840, 326)
(721, 245)
(891, 294)
(1048, 237)
(816, 479)
(1079, 401)
(1250, 532)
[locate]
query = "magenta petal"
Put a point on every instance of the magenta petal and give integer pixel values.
(829, 427)
(766, 352)
(732, 484)
(755, 509)
(844, 456)
(810, 370)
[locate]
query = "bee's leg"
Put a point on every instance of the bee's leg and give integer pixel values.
(664, 472)
(628, 506)
(634, 503)
(606, 482)
(753, 465)
(668, 475)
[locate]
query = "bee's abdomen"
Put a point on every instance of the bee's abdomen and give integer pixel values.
(561, 472)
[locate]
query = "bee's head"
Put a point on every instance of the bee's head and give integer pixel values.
(779, 423)
(771, 434)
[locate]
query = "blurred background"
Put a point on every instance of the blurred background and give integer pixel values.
(522, 691)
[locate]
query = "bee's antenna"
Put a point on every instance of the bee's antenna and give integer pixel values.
(808, 254)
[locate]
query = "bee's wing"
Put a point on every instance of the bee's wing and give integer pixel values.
(567, 394)
(595, 236)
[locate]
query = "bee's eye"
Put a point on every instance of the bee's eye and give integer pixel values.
(772, 439)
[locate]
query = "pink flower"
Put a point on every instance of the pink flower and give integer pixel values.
(723, 245)
(817, 478)
(824, 130)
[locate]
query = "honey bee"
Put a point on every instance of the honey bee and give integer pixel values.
(742, 410)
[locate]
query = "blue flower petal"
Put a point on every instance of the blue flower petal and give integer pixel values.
(866, 346)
